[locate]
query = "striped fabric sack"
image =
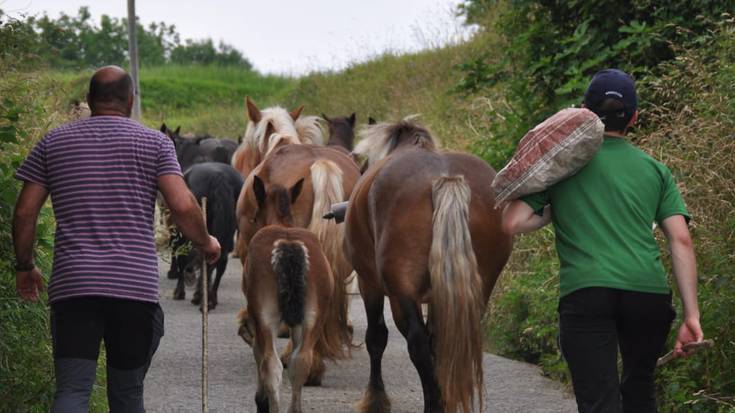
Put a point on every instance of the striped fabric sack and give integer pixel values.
(552, 151)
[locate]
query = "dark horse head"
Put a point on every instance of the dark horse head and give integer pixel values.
(341, 131)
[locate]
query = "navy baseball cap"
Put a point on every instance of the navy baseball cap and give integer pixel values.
(611, 84)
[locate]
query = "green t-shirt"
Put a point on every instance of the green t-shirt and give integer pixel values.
(603, 218)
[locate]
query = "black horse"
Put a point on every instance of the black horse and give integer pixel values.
(221, 184)
(341, 131)
(189, 152)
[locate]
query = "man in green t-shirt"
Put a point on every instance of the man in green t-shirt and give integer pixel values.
(614, 292)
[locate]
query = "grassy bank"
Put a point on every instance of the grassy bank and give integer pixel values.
(200, 99)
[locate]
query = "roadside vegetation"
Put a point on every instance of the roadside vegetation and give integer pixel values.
(528, 60)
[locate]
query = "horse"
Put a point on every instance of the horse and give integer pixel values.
(267, 129)
(328, 176)
(289, 281)
(341, 131)
(422, 227)
(221, 184)
(270, 128)
(191, 150)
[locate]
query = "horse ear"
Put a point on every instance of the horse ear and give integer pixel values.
(163, 127)
(325, 117)
(259, 189)
(296, 112)
(253, 112)
(178, 129)
(371, 121)
(296, 190)
(352, 119)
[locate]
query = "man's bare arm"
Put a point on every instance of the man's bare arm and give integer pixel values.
(684, 265)
(31, 199)
(519, 217)
(187, 214)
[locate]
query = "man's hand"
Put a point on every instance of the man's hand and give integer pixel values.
(689, 332)
(211, 250)
(28, 284)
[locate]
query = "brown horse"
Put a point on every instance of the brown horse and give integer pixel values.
(328, 176)
(422, 228)
(268, 129)
(289, 281)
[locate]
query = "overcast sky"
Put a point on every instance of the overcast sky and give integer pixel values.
(287, 36)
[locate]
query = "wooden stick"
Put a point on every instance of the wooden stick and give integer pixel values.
(205, 321)
(689, 347)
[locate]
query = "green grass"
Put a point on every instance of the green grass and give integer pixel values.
(200, 99)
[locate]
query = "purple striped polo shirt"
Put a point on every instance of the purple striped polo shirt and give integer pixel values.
(102, 175)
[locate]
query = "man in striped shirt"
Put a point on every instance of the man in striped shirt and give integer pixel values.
(103, 174)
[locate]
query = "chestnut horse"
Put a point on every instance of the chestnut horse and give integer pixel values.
(422, 228)
(289, 280)
(266, 130)
(328, 176)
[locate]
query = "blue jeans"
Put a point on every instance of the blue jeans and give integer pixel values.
(594, 324)
(131, 331)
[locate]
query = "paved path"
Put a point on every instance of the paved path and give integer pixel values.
(174, 380)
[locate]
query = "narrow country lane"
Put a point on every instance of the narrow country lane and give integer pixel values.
(174, 380)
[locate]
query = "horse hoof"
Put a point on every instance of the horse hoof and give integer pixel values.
(172, 275)
(196, 300)
(179, 295)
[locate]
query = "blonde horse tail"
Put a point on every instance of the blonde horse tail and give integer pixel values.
(456, 297)
(326, 180)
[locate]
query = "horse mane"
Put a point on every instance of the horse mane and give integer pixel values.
(379, 140)
(306, 129)
(309, 130)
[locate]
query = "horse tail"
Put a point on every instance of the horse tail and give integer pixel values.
(290, 263)
(221, 219)
(326, 180)
(456, 297)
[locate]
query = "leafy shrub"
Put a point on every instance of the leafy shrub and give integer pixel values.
(27, 111)
(688, 124)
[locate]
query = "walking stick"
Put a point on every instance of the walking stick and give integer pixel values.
(205, 320)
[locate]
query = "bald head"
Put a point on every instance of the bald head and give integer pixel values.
(110, 92)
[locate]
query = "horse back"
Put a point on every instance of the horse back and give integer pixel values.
(391, 211)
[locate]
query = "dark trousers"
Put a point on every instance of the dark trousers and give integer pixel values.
(597, 322)
(131, 331)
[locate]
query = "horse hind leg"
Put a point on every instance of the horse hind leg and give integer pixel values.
(375, 399)
(300, 364)
(270, 372)
(410, 321)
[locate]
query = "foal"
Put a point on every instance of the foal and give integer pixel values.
(289, 281)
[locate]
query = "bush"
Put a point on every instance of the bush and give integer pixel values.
(27, 111)
(688, 124)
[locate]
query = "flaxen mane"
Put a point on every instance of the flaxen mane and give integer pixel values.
(305, 130)
(377, 141)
